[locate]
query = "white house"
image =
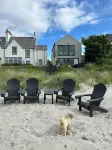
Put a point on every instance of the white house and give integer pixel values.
(66, 51)
(22, 50)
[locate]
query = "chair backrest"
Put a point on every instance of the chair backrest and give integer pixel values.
(68, 87)
(13, 86)
(98, 92)
(32, 87)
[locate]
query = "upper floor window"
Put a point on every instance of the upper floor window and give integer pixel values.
(27, 53)
(14, 50)
(66, 50)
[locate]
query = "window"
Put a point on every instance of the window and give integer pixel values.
(71, 50)
(66, 61)
(6, 60)
(71, 61)
(14, 50)
(61, 61)
(60, 50)
(19, 60)
(66, 50)
(10, 60)
(27, 53)
(27, 62)
(15, 60)
(60, 47)
(40, 62)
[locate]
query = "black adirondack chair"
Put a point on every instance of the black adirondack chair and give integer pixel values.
(13, 88)
(32, 91)
(95, 99)
(67, 91)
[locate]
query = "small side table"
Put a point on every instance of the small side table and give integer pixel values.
(48, 92)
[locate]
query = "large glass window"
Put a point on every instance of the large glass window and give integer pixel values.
(14, 50)
(27, 53)
(68, 61)
(61, 61)
(13, 60)
(71, 50)
(60, 50)
(71, 61)
(66, 50)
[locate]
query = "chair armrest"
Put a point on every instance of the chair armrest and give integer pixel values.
(23, 92)
(3, 93)
(20, 91)
(78, 96)
(39, 91)
(95, 100)
(56, 91)
(71, 93)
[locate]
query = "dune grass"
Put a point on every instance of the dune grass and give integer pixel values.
(87, 76)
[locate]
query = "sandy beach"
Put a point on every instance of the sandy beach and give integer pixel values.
(36, 126)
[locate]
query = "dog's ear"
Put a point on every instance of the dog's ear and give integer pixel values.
(71, 115)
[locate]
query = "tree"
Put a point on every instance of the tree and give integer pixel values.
(96, 47)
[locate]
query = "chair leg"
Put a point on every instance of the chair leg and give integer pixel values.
(38, 98)
(52, 99)
(80, 108)
(24, 102)
(44, 98)
(91, 112)
(19, 100)
(69, 101)
(4, 102)
(56, 99)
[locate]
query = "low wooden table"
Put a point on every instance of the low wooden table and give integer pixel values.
(48, 92)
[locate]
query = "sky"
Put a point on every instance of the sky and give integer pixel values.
(53, 19)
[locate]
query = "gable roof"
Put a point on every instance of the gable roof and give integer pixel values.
(24, 42)
(2, 42)
(109, 37)
(41, 47)
(67, 36)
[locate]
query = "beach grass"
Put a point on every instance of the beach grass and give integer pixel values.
(89, 76)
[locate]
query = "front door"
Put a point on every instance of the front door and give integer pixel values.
(75, 61)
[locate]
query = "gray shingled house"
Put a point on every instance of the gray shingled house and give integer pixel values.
(66, 51)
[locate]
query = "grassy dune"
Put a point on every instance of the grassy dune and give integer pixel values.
(90, 76)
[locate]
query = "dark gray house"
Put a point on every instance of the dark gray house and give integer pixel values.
(66, 51)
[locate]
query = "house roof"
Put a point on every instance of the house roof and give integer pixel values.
(109, 37)
(24, 42)
(2, 42)
(41, 47)
(67, 36)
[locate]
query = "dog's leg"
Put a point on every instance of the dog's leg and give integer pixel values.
(69, 126)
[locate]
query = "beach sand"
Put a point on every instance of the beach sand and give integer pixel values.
(36, 126)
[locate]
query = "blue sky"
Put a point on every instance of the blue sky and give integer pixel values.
(53, 19)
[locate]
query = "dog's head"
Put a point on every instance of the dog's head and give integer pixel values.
(71, 115)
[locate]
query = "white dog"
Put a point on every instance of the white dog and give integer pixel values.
(65, 124)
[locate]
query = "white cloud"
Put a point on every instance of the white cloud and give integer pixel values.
(24, 17)
(94, 22)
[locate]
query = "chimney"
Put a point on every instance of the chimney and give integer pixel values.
(34, 35)
(8, 34)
